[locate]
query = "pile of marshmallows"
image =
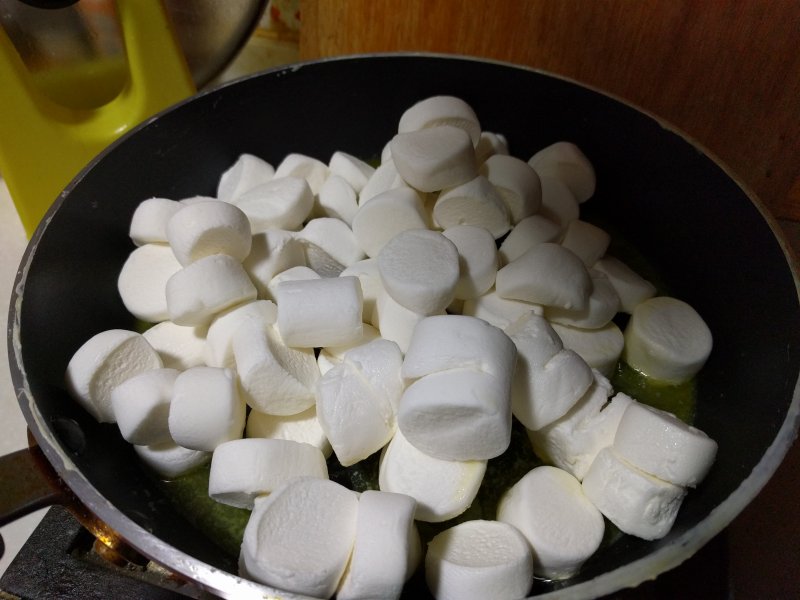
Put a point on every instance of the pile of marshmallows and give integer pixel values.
(317, 308)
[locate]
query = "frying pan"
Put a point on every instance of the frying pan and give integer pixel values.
(712, 242)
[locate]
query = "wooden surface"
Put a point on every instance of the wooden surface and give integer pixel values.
(727, 72)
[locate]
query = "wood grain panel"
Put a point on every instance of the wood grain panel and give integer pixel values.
(727, 72)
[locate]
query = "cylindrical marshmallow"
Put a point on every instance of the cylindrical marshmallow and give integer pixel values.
(587, 241)
(385, 215)
(631, 287)
(208, 228)
(333, 355)
(350, 168)
(302, 427)
(395, 321)
(603, 305)
(379, 362)
(558, 202)
(565, 161)
(473, 202)
(530, 231)
(168, 460)
(477, 259)
(498, 311)
(282, 203)
(293, 274)
(371, 287)
(314, 171)
(141, 406)
(489, 144)
(600, 348)
(149, 221)
(273, 252)
(384, 178)
(142, 282)
(333, 237)
(476, 560)
(435, 158)
(180, 347)
(219, 339)
(246, 173)
(337, 199)
(562, 526)
(441, 110)
(517, 183)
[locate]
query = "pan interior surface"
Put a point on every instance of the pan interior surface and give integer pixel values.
(695, 225)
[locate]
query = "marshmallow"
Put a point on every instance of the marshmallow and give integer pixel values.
(274, 378)
(474, 202)
(371, 286)
(196, 199)
(300, 537)
(395, 321)
(169, 460)
(356, 418)
(302, 427)
(149, 221)
(562, 526)
(272, 252)
(631, 287)
(314, 171)
(666, 339)
(565, 161)
(558, 202)
(457, 415)
(319, 312)
(337, 199)
(441, 110)
(419, 269)
(637, 503)
(476, 560)
(600, 348)
(443, 489)
(142, 282)
(530, 231)
(334, 238)
(246, 173)
(535, 339)
(587, 241)
(281, 203)
(383, 552)
(603, 305)
(546, 274)
(333, 355)
(206, 409)
(435, 158)
(353, 170)
(141, 406)
(179, 346)
(658, 443)
(516, 182)
(379, 361)
(384, 178)
(207, 286)
(208, 228)
(497, 311)
(102, 363)
(490, 144)
(477, 259)
(243, 469)
(385, 215)
(445, 342)
(219, 339)
(292, 274)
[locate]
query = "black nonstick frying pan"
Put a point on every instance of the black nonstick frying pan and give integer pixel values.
(712, 243)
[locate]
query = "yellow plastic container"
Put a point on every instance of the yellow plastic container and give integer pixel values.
(43, 144)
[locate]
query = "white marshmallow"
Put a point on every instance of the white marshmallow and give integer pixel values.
(292, 274)
(141, 406)
(441, 110)
(547, 274)
(300, 537)
(149, 221)
(281, 203)
(436, 158)
(337, 199)
(638, 503)
(333, 355)
(600, 348)
(355, 417)
(319, 312)
(558, 202)
(219, 339)
(419, 269)
(383, 551)
(490, 144)
(530, 231)
(517, 183)
(314, 171)
(444, 342)
(587, 241)
(443, 489)
(243, 469)
(142, 281)
(384, 178)
(303, 427)
(206, 409)
(395, 321)
(666, 339)
(179, 346)
(535, 339)
(565, 161)
(380, 362)
(562, 526)
(631, 287)
(603, 305)
(371, 286)
(477, 259)
(353, 170)
(196, 199)
(273, 252)
(474, 202)
(169, 460)
(246, 173)
(659, 443)
(476, 560)
(206, 287)
(385, 215)
(274, 378)
(333, 237)
(497, 311)
(459, 415)
(207, 228)
(102, 363)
